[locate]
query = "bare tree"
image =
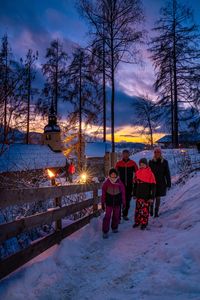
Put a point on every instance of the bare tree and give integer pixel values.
(148, 117)
(54, 70)
(6, 81)
(11, 75)
(175, 53)
(83, 92)
(119, 20)
(29, 91)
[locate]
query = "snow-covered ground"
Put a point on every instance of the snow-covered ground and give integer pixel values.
(179, 159)
(160, 263)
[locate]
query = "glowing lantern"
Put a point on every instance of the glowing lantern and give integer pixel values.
(51, 176)
(83, 177)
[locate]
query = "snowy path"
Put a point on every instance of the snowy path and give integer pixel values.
(160, 263)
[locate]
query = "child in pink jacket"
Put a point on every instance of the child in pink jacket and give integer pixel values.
(113, 197)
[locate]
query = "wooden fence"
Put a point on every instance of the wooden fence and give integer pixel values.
(16, 227)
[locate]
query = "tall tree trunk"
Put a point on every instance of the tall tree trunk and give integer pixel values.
(172, 105)
(104, 83)
(147, 113)
(176, 140)
(28, 103)
(56, 84)
(80, 120)
(6, 97)
(151, 132)
(113, 93)
(104, 94)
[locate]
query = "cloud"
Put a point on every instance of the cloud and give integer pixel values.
(136, 80)
(128, 135)
(34, 24)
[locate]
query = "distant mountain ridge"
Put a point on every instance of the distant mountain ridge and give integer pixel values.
(19, 137)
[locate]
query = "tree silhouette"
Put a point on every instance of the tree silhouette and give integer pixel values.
(83, 93)
(175, 53)
(114, 23)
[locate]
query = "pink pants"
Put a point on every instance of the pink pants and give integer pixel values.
(115, 213)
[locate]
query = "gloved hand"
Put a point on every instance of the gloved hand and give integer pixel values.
(103, 206)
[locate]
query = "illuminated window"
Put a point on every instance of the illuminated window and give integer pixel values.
(48, 137)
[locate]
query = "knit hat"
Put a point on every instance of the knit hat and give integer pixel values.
(143, 161)
(157, 149)
(126, 151)
(113, 170)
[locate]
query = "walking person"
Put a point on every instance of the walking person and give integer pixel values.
(126, 169)
(67, 170)
(71, 171)
(144, 190)
(113, 196)
(160, 168)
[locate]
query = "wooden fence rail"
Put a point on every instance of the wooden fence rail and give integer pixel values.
(16, 227)
(28, 195)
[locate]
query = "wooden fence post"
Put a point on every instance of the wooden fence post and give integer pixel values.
(58, 203)
(95, 205)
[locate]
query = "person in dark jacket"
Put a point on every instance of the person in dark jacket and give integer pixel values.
(160, 168)
(113, 196)
(126, 169)
(144, 190)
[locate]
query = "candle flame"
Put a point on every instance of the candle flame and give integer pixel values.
(50, 173)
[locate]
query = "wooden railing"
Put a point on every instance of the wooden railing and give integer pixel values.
(16, 227)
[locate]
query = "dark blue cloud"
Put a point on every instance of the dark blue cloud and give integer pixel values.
(33, 24)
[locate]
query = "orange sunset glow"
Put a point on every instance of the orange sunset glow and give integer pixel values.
(127, 134)
(122, 134)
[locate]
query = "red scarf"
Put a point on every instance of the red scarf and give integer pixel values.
(145, 175)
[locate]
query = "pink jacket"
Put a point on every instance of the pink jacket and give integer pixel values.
(113, 188)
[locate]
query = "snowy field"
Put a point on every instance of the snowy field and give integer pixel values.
(178, 158)
(162, 262)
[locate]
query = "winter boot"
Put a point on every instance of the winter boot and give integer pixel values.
(135, 225)
(125, 218)
(143, 227)
(156, 215)
(151, 210)
(115, 230)
(105, 235)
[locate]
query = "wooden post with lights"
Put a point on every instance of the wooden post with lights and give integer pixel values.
(57, 200)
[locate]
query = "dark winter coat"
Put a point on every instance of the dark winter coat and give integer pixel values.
(144, 184)
(161, 171)
(126, 170)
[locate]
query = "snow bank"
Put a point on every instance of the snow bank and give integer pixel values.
(162, 262)
(178, 159)
(22, 157)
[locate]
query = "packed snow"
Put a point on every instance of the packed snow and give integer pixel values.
(162, 262)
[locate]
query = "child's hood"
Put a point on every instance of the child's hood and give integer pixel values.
(145, 175)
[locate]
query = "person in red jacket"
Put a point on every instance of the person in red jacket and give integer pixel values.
(71, 171)
(113, 196)
(144, 190)
(126, 169)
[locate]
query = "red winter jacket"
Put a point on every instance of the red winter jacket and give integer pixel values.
(71, 169)
(126, 169)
